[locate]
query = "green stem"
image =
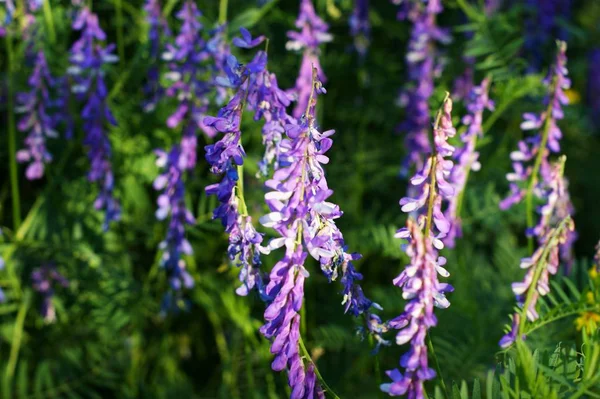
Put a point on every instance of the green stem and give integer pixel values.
(223, 11)
(536, 167)
(240, 191)
(436, 364)
(539, 268)
(12, 139)
(17, 337)
(49, 21)
(317, 373)
(120, 23)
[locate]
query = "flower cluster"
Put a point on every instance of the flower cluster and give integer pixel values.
(37, 121)
(190, 74)
(2, 294)
(466, 157)
(226, 157)
(88, 61)
(539, 147)
(171, 204)
(593, 88)
(543, 263)
(158, 31)
(360, 27)
(43, 280)
(313, 32)
(305, 222)
(419, 280)
(9, 10)
(423, 65)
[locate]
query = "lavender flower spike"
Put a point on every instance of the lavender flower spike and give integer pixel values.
(540, 266)
(37, 120)
(360, 27)
(88, 60)
(43, 279)
(313, 33)
(158, 30)
(419, 280)
(171, 204)
(225, 156)
(466, 157)
(423, 65)
(305, 223)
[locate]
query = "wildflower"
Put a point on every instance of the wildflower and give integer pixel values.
(540, 266)
(37, 120)
(44, 278)
(226, 157)
(593, 87)
(2, 294)
(423, 65)
(171, 204)
(158, 31)
(88, 61)
(360, 27)
(539, 147)
(9, 10)
(419, 280)
(188, 72)
(305, 223)
(313, 33)
(466, 157)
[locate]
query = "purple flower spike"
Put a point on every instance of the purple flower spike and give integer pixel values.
(546, 258)
(88, 60)
(532, 148)
(360, 27)
(191, 77)
(37, 121)
(466, 157)
(43, 280)
(313, 32)
(424, 64)
(593, 88)
(419, 279)
(157, 33)
(305, 223)
(171, 205)
(420, 284)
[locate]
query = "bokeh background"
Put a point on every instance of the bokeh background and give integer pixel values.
(109, 338)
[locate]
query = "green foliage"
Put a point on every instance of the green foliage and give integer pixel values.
(110, 339)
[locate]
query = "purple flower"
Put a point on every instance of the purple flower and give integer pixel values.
(541, 265)
(9, 10)
(2, 294)
(421, 287)
(360, 27)
(43, 280)
(171, 205)
(158, 31)
(191, 75)
(88, 61)
(305, 223)
(225, 156)
(313, 32)
(246, 41)
(466, 157)
(37, 121)
(419, 280)
(540, 147)
(423, 65)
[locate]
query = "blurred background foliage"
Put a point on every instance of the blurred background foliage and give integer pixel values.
(109, 338)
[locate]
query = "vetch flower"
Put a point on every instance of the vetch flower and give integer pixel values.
(466, 157)
(158, 32)
(305, 223)
(425, 228)
(313, 32)
(38, 120)
(191, 77)
(540, 266)
(593, 85)
(44, 279)
(527, 180)
(88, 62)
(424, 63)
(171, 206)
